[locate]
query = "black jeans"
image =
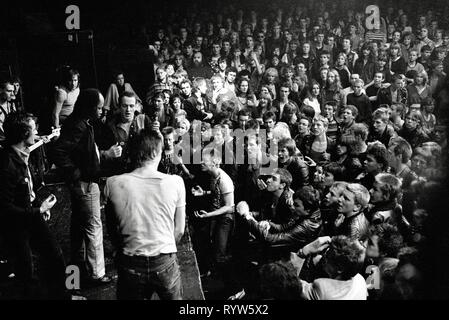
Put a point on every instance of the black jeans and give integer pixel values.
(20, 237)
(221, 230)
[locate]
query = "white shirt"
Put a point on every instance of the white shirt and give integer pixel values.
(145, 209)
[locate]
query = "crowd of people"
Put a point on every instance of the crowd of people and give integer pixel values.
(308, 153)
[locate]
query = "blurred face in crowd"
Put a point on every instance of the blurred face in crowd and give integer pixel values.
(159, 103)
(323, 74)
(249, 42)
(341, 61)
(197, 58)
(186, 89)
(315, 90)
(100, 106)
(7, 93)
(381, 64)
(331, 77)
(183, 32)
(378, 78)
(243, 120)
(16, 87)
(376, 194)
(332, 196)
(358, 87)
(301, 68)
(216, 49)
(226, 46)
(318, 128)
(283, 93)
(169, 140)
(353, 78)
(207, 165)
(244, 86)
(161, 74)
(324, 59)
(73, 83)
(218, 135)
(424, 33)
(283, 155)
(419, 79)
(418, 163)
(177, 103)
(306, 48)
(269, 124)
(299, 208)
(372, 247)
(323, 179)
(440, 134)
(217, 84)
(231, 76)
(274, 183)
(396, 36)
(303, 126)
(120, 80)
(379, 126)
(397, 84)
(341, 150)
(167, 98)
(346, 203)
(346, 44)
(127, 108)
(347, 117)
(181, 128)
(32, 137)
(263, 102)
(410, 122)
(264, 90)
(371, 165)
(328, 111)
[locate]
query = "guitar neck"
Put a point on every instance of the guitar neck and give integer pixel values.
(41, 142)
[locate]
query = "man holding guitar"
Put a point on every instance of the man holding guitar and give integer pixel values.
(23, 219)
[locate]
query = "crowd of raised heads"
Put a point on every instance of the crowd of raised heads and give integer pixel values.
(347, 204)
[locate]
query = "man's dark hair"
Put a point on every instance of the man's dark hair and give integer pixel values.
(289, 144)
(279, 280)
(231, 69)
(17, 127)
(285, 177)
(243, 112)
(310, 198)
(86, 104)
(244, 73)
(127, 94)
(390, 239)
(269, 115)
(167, 130)
(144, 146)
(426, 48)
(345, 255)
(67, 74)
(4, 82)
(307, 111)
(380, 154)
(352, 108)
(403, 148)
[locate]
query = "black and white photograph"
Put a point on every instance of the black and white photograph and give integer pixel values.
(233, 152)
